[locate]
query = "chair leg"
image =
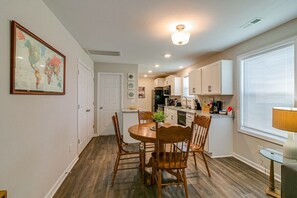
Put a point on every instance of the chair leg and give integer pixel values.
(204, 159)
(195, 160)
(115, 169)
(144, 149)
(153, 176)
(185, 183)
(159, 182)
(142, 153)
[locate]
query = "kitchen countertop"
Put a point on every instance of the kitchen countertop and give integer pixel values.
(191, 111)
(131, 110)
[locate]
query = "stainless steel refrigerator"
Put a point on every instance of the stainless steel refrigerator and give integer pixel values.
(158, 99)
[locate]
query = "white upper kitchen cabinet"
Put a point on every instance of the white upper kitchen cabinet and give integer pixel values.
(175, 85)
(159, 82)
(195, 82)
(217, 78)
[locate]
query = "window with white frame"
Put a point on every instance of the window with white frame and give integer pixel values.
(267, 80)
(186, 87)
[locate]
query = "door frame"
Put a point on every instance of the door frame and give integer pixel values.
(80, 62)
(98, 98)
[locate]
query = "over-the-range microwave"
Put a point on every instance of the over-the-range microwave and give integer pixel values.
(167, 90)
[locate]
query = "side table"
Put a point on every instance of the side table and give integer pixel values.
(274, 156)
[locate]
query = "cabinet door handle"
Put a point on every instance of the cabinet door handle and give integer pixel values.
(193, 90)
(209, 88)
(88, 110)
(101, 108)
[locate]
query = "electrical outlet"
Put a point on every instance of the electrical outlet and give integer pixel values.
(259, 148)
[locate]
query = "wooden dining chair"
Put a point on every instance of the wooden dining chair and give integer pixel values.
(200, 132)
(126, 152)
(146, 117)
(118, 126)
(166, 157)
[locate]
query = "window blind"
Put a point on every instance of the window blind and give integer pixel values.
(268, 81)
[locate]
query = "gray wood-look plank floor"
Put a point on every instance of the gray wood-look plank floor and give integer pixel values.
(92, 176)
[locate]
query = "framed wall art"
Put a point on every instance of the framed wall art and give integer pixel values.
(131, 94)
(36, 67)
(141, 92)
(131, 76)
(131, 85)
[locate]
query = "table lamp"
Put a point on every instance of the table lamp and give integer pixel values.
(286, 119)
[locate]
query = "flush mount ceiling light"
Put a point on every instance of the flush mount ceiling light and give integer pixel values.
(157, 65)
(180, 37)
(150, 71)
(145, 75)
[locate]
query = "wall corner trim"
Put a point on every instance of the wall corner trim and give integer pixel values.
(60, 180)
(256, 166)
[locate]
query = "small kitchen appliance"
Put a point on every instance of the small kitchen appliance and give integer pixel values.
(198, 106)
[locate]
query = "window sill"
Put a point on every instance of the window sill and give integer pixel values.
(263, 136)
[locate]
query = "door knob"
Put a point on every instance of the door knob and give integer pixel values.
(88, 110)
(101, 108)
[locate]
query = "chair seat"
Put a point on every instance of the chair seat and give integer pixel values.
(197, 148)
(168, 160)
(131, 147)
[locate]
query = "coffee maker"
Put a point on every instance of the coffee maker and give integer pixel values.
(220, 105)
(216, 106)
(197, 105)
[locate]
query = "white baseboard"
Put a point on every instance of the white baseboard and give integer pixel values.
(220, 156)
(58, 183)
(96, 135)
(256, 166)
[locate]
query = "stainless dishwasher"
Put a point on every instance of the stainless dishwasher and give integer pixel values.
(181, 118)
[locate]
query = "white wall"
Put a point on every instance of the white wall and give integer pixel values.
(244, 145)
(36, 130)
(148, 83)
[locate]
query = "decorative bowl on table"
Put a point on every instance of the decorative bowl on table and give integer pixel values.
(153, 128)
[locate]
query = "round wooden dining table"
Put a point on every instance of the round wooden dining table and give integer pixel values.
(144, 132)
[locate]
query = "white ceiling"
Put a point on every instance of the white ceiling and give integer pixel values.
(141, 29)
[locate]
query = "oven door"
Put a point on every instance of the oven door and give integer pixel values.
(182, 118)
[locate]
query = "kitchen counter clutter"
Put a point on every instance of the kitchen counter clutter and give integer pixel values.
(192, 111)
(219, 142)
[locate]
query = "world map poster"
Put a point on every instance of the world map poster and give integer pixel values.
(37, 68)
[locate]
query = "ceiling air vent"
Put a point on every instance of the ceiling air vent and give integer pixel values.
(252, 22)
(104, 53)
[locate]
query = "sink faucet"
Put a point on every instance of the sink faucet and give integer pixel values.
(186, 101)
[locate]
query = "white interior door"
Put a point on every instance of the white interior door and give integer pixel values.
(85, 106)
(109, 101)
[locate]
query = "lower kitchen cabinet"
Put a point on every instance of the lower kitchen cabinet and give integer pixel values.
(170, 116)
(219, 142)
(189, 120)
(130, 118)
(220, 137)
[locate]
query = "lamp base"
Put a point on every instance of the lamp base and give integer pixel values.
(290, 147)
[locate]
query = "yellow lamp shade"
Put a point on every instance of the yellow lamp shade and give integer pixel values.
(284, 118)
